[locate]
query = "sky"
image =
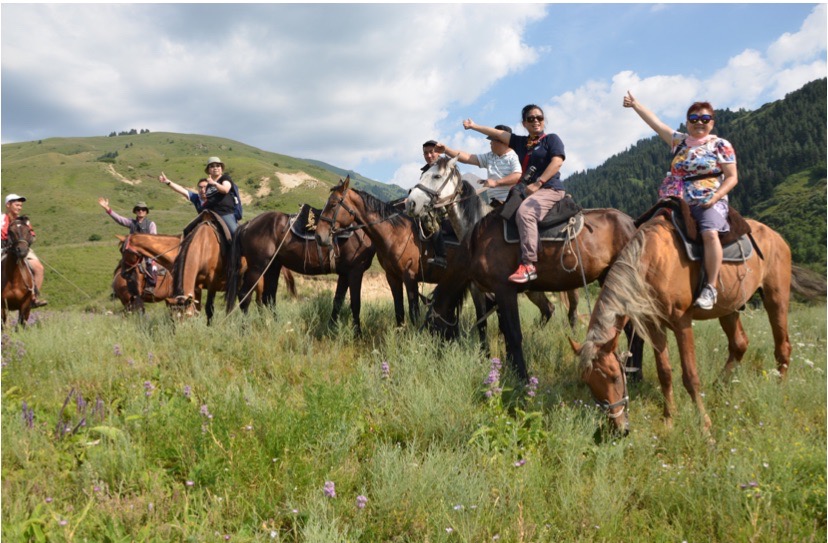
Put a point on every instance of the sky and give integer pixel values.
(362, 86)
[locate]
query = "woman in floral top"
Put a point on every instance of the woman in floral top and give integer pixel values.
(706, 166)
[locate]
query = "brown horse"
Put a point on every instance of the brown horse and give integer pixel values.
(128, 280)
(488, 260)
(652, 283)
(18, 280)
(442, 187)
(269, 243)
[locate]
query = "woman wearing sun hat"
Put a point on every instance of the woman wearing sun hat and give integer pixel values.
(706, 166)
(220, 193)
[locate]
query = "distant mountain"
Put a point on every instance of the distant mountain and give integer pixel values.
(781, 154)
(384, 191)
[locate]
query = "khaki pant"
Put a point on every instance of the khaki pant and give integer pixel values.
(533, 209)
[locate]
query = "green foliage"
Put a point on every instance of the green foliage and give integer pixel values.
(135, 429)
(776, 146)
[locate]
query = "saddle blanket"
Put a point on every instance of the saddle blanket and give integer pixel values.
(736, 251)
(304, 224)
(557, 232)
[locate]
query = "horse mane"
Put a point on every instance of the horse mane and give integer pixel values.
(471, 205)
(386, 211)
(625, 293)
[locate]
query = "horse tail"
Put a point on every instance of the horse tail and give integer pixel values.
(807, 284)
(234, 268)
(290, 282)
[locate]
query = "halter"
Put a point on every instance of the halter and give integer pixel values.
(435, 200)
(332, 220)
(624, 402)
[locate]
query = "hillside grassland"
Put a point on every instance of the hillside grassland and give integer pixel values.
(278, 426)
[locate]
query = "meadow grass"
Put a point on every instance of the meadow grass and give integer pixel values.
(279, 426)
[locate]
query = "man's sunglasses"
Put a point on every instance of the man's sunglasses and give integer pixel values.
(696, 119)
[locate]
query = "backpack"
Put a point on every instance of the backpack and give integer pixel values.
(237, 205)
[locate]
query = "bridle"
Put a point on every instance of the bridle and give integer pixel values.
(435, 200)
(339, 205)
(20, 243)
(624, 402)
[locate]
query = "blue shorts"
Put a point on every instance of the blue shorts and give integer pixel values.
(712, 218)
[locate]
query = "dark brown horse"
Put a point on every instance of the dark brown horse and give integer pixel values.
(441, 187)
(18, 280)
(652, 283)
(270, 243)
(128, 280)
(488, 260)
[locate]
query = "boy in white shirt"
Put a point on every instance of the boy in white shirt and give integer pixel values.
(502, 166)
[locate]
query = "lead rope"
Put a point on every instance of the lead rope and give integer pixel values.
(579, 263)
(270, 263)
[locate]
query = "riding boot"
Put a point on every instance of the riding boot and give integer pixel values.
(35, 301)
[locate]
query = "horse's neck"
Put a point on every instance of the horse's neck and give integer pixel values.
(384, 234)
(462, 219)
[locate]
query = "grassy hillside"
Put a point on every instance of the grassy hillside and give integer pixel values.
(62, 179)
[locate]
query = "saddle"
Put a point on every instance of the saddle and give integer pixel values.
(210, 216)
(446, 230)
(737, 244)
(303, 224)
(564, 221)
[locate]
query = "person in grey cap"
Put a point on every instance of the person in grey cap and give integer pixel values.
(502, 165)
(139, 225)
(14, 207)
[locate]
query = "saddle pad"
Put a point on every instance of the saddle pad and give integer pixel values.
(303, 224)
(557, 232)
(736, 251)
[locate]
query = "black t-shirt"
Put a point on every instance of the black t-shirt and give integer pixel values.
(221, 203)
(549, 146)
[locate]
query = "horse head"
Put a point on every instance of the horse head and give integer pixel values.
(337, 214)
(20, 236)
(438, 187)
(604, 374)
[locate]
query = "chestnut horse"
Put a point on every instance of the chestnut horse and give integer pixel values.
(128, 280)
(18, 280)
(269, 244)
(487, 260)
(652, 283)
(441, 186)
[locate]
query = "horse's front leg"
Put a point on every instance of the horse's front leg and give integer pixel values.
(689, 372)
(355, 288)
(397, 293)
(482, 305)
(208, 307)
(543, 303)
(509, 318)
(664, 371)
(339, 296)
(737, 342)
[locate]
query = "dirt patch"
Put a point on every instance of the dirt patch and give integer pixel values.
(290, 181)
(264, 188)
(111, 169)
(374, 285)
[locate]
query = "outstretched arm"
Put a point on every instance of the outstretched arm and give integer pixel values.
(663, 131)
(500, 135)
(175, 186)
(462, 156)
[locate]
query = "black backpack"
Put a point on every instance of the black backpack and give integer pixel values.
(237, 205)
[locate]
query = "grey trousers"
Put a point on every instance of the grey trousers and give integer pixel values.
(533, 209)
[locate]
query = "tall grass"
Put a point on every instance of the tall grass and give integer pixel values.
(278, 426)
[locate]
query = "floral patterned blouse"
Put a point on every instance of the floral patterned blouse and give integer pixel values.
(702, 159)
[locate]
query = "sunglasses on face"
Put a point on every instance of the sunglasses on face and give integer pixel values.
(533, 118)
(696, 119)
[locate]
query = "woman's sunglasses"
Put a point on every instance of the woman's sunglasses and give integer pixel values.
(533, 118)
(696, 119)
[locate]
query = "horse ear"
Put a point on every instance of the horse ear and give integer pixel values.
(576, 347)
(120, 237)
(452, 162)
(347, 182)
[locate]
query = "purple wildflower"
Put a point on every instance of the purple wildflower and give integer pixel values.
(206, 412)
(532, 389)
(28, 415)
(148, 387)
(117, 350)
(520, 462)
(329, 489)
(361, 501)
(386, 370)
(187, 391)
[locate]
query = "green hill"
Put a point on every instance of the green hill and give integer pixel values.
(62, 179)
(781, 153)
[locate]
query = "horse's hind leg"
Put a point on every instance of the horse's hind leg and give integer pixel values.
(355, 288)
(509, 318)
(271, 284)
(737, 342)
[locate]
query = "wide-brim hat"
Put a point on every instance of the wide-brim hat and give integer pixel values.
(213, 160)
(140, 205)
(14, 198)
